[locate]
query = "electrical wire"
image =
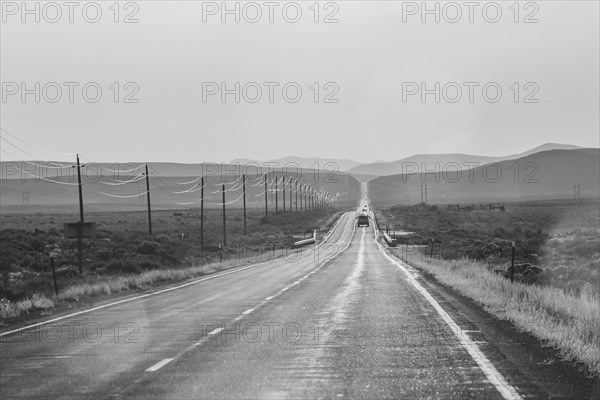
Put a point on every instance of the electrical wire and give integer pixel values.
(191, 190)
(124, 196)
(185, 204)
(190, 182)
(260, 181)
(48, 180)
(36, 147)
(119, 183)
(124, 170)
(36, 164)
(18, 148)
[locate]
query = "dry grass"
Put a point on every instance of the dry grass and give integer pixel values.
(116, 284)
(567, 321)
(107, 285)
(10, 309)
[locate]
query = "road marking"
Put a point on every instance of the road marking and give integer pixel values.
(240, 269)
(217, 330)
(159, 365)
(486, 366)
(248, 311)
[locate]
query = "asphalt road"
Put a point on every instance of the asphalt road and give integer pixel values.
(343, 320)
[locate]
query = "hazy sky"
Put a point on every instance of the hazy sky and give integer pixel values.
(370, 58)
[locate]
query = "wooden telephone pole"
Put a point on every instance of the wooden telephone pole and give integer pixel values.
(224, 227)
(276, 195)
(244, 196)
(79, 240)
(148, 200)
(202, 214)
(266, 200)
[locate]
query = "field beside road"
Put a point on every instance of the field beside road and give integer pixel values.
(562, 237)
(123, 256)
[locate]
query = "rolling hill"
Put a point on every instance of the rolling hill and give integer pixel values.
(543, 175)
(172, 185)
(466, 161)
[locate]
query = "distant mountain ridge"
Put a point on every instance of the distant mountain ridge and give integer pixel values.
(305, 162)
(464, 160)
(545, 174)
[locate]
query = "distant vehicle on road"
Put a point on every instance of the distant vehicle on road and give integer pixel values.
(363, 220)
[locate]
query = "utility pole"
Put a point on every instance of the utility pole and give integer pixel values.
(79, 240)
(576, 191)
(266, 200)
(148, 199)
(54, 276)
(423, 189)
(244, 196)
(202, 214)
(276, 195)
(301, 194)
(224, 228)
(296, 184)
(283, 191)
(512, 263)
(290, 194)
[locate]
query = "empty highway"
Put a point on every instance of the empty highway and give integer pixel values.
(340, 320)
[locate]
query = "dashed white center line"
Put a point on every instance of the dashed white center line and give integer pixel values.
(159, 365)
(165, 361)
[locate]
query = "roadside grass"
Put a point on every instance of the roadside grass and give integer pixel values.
(567, 321)
(94, 285)
(107, 285)
(562, 237)
(38, 301)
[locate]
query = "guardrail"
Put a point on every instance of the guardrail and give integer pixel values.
(308, 241)
(390, 242)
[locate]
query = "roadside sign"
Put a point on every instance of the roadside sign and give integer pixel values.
(76, 230)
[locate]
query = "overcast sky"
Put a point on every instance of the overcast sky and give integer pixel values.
(369, 58)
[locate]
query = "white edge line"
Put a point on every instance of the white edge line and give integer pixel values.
(248, 311)
(159, 365)
(153, 293)
(215, 331)
(486, 366)
(130, 299)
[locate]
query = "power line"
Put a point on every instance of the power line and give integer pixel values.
(36, 147)
(18, 148)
